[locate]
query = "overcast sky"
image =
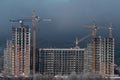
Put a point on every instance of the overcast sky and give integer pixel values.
(68, 17)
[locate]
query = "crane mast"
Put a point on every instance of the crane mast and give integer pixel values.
(34, 21)
(34, 43)
(94, 28)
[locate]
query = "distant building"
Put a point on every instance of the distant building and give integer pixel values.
(7, 58)
(1, 63)
(61, 61)
(104, 56)
(88, 59)
(21, 51)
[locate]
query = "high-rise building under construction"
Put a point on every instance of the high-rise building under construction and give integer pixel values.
(64, 61)
(7, 58)
(21, 51)
(104, 56)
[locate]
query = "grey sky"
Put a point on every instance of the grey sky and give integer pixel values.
(68, 16)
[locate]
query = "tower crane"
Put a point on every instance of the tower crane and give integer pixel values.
(94, 28)
(34, 19)
(80, 40)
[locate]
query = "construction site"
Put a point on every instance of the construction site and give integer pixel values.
(97, 57)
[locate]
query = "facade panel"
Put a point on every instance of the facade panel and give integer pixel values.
(104, 56)
(21, 50)
(61, 61)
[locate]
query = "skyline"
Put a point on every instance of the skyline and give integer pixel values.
(67, 16)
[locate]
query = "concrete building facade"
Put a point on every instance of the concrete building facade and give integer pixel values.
(7, 58)
(61, 61)
(21, 51)
(104, 56)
